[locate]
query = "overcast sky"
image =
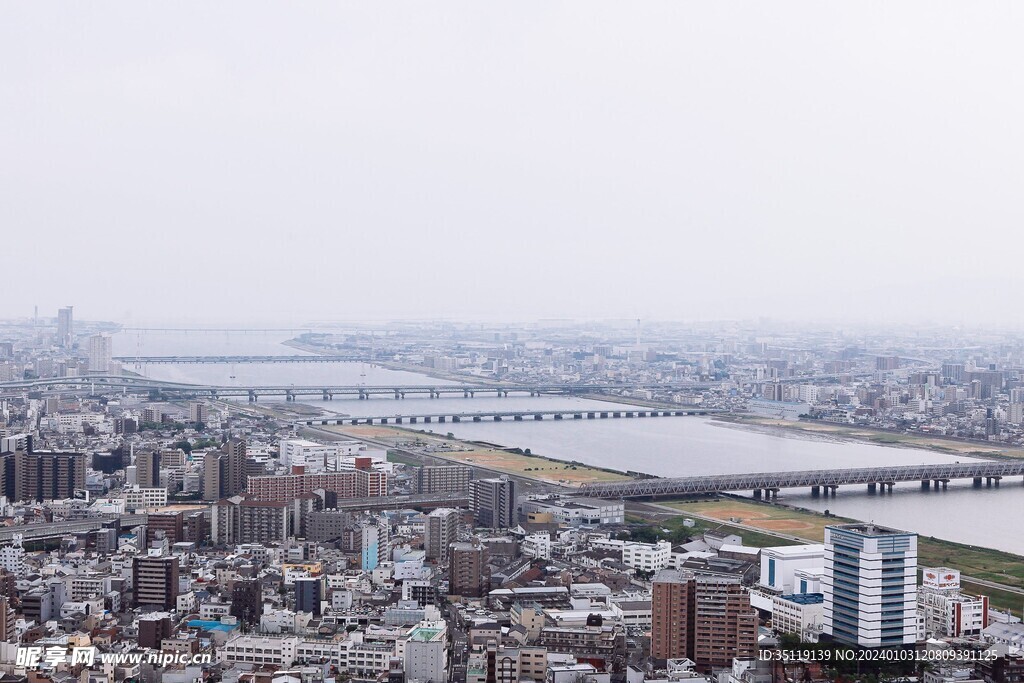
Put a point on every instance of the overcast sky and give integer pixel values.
(674, 160)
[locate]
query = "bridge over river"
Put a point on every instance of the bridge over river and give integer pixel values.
(819, 481)
(499, 415)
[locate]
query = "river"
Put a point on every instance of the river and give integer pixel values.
(665, 446)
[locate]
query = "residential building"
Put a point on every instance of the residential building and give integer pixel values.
(155, 581)
(493, 502)
(440, 532)
(468, 573)
(443, 478)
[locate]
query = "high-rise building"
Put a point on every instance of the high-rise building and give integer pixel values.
(65, 326)
(671, 608)
(439, 533)
(426, 652)
(703, 617)
(239, 520)
(468, 573)
(7, 620)
(443, 478)
(155, 581)
(308, 594)
(99, 353)
(224, 472)
(197, 411)
(147, 469)
(42, 476)
(870, 585)
(247, 600)
(493, 502)
(172, 524)
(725, 625)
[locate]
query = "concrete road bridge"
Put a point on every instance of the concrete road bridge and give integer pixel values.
(232, 360)
(818, 481)
(499, 415)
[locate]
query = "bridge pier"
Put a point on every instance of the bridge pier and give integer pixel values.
(412, 420)
(363, 395)
(558, 416)
(538, 416)
(815, 491)
(872, 488)
(497, 418)
(465, 394)
(757, 494)
(518, 418)
(832, 488)
(252, 396)
(383, 420)
(925, 485)
(888, 485)
(398, 420)
(476, 418)
(327, 395)
(977, 482)
(616, 414)
(397, 394)
(456, 418)
(441, 418)
(289, 396)
(604, 414)
(426, 419)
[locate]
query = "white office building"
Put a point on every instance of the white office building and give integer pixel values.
(870, 585)
(780, 564)
(648, 557)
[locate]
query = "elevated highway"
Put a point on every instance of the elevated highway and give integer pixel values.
(827, 481)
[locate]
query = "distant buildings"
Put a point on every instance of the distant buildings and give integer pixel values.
(493, 502)
(99, 353)
(870, 585)
(65, 326)
(360, 483)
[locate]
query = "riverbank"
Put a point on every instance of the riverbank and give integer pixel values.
(878, 437)
(481, 454)
(995, 573)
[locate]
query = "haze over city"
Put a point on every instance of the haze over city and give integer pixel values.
(270, 162)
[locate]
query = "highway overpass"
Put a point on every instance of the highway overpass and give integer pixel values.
(231, 360)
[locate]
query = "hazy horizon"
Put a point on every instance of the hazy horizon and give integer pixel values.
(348, 161)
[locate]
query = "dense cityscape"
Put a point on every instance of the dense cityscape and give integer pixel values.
(536, 342)
(162, 530)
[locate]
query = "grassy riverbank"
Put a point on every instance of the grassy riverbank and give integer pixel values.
(979, 563)
(490, 456)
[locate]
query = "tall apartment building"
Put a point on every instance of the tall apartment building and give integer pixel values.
(100, 350)
(239, 520)
(439, 532)
(361, 483)
(197, 411)
(725, 626)
(672, 605)
(7, 619)
(42, 476)
(247, 600)
(65, 326)
(155, 581)
(224, 472)
(493, 502)
(443, 478)
(172, 524)
(703, 617)
(309, 594)
(147, 469)
(870, 585)
(468, 573)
